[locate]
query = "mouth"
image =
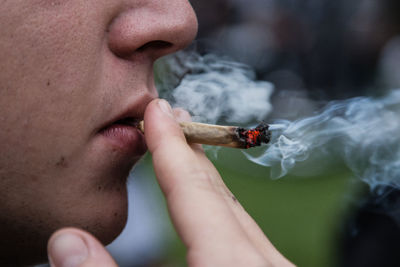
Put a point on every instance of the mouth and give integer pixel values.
(128, 121)
(124, 136)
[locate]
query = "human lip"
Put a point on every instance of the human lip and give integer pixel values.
(124, 136)
(118, 131)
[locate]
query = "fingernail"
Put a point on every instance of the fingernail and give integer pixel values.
(165, 107)
(67, 250)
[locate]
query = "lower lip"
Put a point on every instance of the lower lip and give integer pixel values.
(125, 138)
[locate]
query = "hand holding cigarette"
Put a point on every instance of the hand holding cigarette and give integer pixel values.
(211, 222)
(217, 135)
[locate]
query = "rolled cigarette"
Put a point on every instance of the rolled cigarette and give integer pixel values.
(228, 136)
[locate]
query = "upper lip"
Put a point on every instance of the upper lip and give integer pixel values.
(132, 114)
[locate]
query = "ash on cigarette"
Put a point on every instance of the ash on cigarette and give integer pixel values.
(254, 137)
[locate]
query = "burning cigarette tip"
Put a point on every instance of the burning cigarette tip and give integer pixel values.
(254, 137)
(229, 136)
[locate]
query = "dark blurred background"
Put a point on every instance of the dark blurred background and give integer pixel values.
(332, 49)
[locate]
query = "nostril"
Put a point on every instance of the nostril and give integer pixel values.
(155, 45)
(155, 48)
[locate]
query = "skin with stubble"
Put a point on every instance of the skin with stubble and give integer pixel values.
(71, 73)
(68, 69)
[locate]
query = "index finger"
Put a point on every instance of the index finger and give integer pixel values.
(198, 209)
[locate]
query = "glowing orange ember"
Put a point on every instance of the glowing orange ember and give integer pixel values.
(254, 137)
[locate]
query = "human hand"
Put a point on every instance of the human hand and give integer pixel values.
(215, 228)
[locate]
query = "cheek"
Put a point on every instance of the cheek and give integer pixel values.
(51, 60)
(48, 83)
(51, 65)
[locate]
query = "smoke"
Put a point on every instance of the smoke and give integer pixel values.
(363, 132)
(214, 89)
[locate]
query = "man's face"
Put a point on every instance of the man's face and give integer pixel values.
(69, 71)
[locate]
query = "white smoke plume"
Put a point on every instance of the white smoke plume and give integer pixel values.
(364, 132)
(214, 89)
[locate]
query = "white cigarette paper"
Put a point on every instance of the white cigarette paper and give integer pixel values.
(218, 135)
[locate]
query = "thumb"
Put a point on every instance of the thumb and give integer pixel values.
(71, 247)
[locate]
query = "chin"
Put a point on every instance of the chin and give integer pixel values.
(103, 212)
(108, 224)
(105, 216)
(25, 242)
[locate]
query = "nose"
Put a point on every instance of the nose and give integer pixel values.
(153, 28)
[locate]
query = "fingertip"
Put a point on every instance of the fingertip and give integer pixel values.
(160, 125)
(75, 247)
(67, 248)
(182, 115)
(158, 108)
